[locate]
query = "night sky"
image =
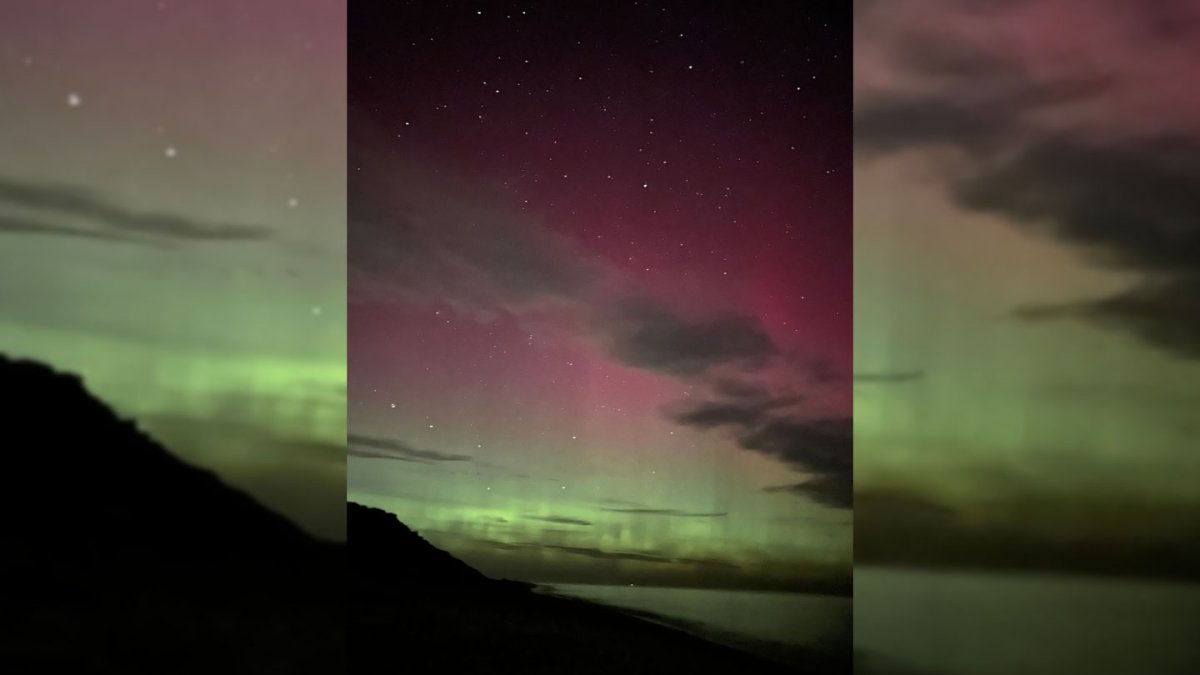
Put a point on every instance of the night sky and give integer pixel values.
(1027, 273)
(172, 215)
(600, 286)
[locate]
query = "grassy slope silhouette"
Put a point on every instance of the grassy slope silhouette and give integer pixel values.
(119, 557)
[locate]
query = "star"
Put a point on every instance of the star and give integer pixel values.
(292, 202)
(74, 100)
(170, 151)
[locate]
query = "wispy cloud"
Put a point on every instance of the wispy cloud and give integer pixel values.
(38, 208)
(18, 225)
(418, 239)
(635, 556)
(561, 520)
(675, 513)
(387, 448)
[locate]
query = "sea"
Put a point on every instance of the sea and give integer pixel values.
(932, 622)
(785, 627)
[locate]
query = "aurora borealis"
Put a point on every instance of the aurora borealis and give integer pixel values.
(172, 223)
(898, 298)
(600, 283)
(1026, 268)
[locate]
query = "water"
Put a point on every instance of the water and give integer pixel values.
(777, 625)
(970, 623)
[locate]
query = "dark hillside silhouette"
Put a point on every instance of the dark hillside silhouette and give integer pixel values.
(385, 551)
(97, 485)
(119, 557)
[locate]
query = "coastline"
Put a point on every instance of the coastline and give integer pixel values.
(530, 632)
(789, 655)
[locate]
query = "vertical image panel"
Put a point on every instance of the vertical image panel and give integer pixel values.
(1026, 280)
(599, 336)
(172, 345)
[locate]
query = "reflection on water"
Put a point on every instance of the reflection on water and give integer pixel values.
(738, 618)
(969, 623)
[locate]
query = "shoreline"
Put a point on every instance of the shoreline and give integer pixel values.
(788, 655)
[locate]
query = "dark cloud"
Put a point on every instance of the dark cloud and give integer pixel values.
(562, 520)
(106, 221)
(1164, 314)
(709, 415)
(897, 377)
(646, 334)
(815, 446)
(822, 446)
(981, 117)
(667, 512)
(886, 124)
(743, 413)
(827, 489)
(1128, 204)
(386, 448)
(1128, 201)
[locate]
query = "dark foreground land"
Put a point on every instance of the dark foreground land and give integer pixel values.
(217, 625)
(455, 620)
(117, 557)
